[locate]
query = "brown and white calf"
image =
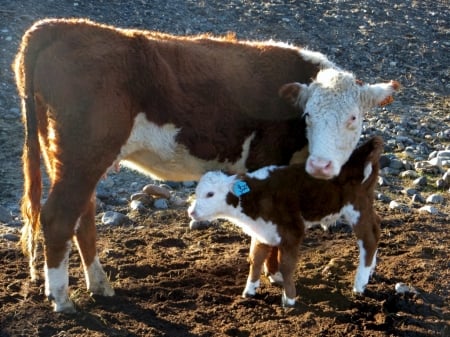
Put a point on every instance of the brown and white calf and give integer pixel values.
(171, 106)
(275, 204)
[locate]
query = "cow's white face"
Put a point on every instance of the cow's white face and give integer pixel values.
(211, 192)
(334, 105)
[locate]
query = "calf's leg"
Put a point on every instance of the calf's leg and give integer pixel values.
(271, 268)
(258, 253)
(367, 232)
(288, 257)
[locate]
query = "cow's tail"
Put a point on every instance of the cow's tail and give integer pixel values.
(32, 43)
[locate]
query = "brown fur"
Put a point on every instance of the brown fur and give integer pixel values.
(290, 194)
(82, 84)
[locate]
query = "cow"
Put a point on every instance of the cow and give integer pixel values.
(275, 204)
(173, 107)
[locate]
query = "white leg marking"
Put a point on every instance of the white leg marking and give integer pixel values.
(96, 280)
(286, 301)
(362, 272)
(250, 288)
(276, 278)
(57, 284)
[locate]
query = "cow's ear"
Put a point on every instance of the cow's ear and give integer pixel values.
(292, 92)
(379, 94)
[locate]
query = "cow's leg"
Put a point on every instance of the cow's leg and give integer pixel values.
(367, 232)
(271, 268)
(258, 253)
(58, 222)
(288, 257)
(85, 238)
(68, 206)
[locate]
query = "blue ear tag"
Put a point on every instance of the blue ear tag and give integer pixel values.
(240, 187)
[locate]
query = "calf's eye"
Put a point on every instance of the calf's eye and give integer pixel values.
(209, 194)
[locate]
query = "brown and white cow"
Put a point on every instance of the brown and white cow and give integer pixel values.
(173, 107)
(275, 204)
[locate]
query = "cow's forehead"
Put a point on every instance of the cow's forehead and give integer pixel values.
(333, 90)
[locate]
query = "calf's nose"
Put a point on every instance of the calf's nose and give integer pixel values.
(320, 168)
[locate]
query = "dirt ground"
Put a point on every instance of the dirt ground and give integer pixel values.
(172, 281)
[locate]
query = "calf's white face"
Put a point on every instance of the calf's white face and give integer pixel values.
(334, 105)
(211, 193)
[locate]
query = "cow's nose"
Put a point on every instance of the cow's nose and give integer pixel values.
(320, 168)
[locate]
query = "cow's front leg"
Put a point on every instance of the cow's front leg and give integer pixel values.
(258, 253)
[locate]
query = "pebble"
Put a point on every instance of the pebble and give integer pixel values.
(417, 198)
(428, 210)
(5, 215)
(137, 205)
(409, 174)
(435, 199)
(402, 288)
(421, 181)
(11, 237)
(114, 218)
(156, 191)
(161, 204)
(395, 205)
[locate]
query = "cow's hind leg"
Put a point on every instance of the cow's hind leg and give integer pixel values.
(367, 232)
(68, 209)
(258, 253)
(271, 268)
(85, 237)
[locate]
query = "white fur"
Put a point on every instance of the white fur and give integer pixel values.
(96, 280)
(363, 273)
(346, 213)
(286, 301)
(263, 173)
(212, 207)
(57, 284)
(250, 288)
(153, 150)
(367, 172)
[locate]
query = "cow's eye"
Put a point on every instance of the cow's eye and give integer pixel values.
(209, 194)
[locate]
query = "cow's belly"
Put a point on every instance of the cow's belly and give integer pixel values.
(153, 150)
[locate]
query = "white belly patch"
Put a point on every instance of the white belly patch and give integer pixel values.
(153, 150)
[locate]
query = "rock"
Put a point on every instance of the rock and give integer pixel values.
(5, 215)
(142, 197)
(421, 181)
(410, 192)
(409, 174)
(156, 191)
(114, 218)
(441, 184)
(396, 164)
(137, 205)
(435, 199)
(382, 197)
(177, 201)
(402, 288)
(11, 237)
(161, 204)
(428, 210)
(417, 198)
(383, 181)
(395, 205)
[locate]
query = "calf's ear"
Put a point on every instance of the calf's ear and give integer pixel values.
(293, 92)
(378, 94)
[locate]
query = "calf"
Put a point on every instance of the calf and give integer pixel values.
(174, 107)
(274, 205)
